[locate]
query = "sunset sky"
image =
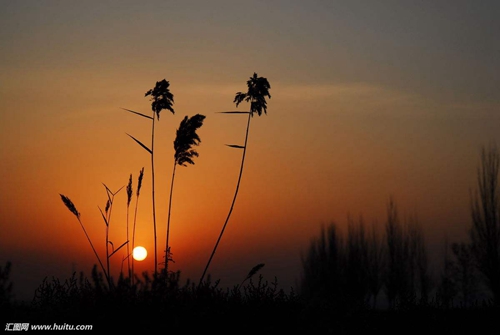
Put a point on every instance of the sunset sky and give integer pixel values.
(370, 99)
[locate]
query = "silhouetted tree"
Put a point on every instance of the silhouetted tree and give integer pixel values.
(485, 231)
(357, 264)
(321, 281)
(258, 90)
(447, 289)
(407, 272)
(376, 264)
(465, 272)
(183, 154)
(395, 279)
(421, 280)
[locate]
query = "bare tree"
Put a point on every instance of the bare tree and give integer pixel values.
(485, 230)
(376, 263)
(465, 272)
(395, 272)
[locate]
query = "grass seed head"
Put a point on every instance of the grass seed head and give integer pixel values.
(69, 204)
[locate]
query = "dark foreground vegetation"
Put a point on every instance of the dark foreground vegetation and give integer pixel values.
(254, 307)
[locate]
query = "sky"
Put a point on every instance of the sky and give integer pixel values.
(369, 100)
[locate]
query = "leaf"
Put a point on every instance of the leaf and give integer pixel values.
(140, 143)
(254, 270)
(124, 243)
(236, 146)
(105, 220)
(140, 114)
(108, 192)
(118, 190)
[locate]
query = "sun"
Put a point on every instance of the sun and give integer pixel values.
(139, 253)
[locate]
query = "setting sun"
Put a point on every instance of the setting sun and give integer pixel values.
(139, 253)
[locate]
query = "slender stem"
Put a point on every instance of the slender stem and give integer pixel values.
(128, 244)
(95, 252)
(133, 234)
(107, 235)
(153, 190)
(107, 248)
(168, 219)
(232, 204)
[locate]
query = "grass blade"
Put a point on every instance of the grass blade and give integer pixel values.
(124, 243)
(104, 217)
(254, 270)
(140, 114)
(140, 143)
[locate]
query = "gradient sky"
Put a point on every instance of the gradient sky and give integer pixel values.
(370, 99)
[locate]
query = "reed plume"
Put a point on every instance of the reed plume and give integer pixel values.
(184, 141)
(258, 90)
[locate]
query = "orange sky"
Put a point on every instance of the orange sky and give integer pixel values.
(366, 103)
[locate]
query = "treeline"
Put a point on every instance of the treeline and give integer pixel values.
(355, 268)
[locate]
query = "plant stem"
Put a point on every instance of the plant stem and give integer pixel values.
(153, 190)
(133, 234)
(168, 219)
(95, 252)
(128, 244)
(232, 204)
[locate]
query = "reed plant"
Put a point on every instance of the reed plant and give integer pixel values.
(138, 192)
(129, 198)
(161, 98)
(106, 215)
(72, 208)
(184, 153)
(258, 90)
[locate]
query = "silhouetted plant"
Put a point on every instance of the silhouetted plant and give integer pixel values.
(258, 90)
(129, 198)
(5, 285)
(485, 230)
(161, 98)
(106, 215)
(184, 153)
(138, 192)
(252, 273)
(72, 208)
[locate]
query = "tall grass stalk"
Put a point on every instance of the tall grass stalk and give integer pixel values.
(107, 220)
(138, 192)
(258, 90)
(69, 204)
(184, 153)
(161, 98)
(129, 198)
